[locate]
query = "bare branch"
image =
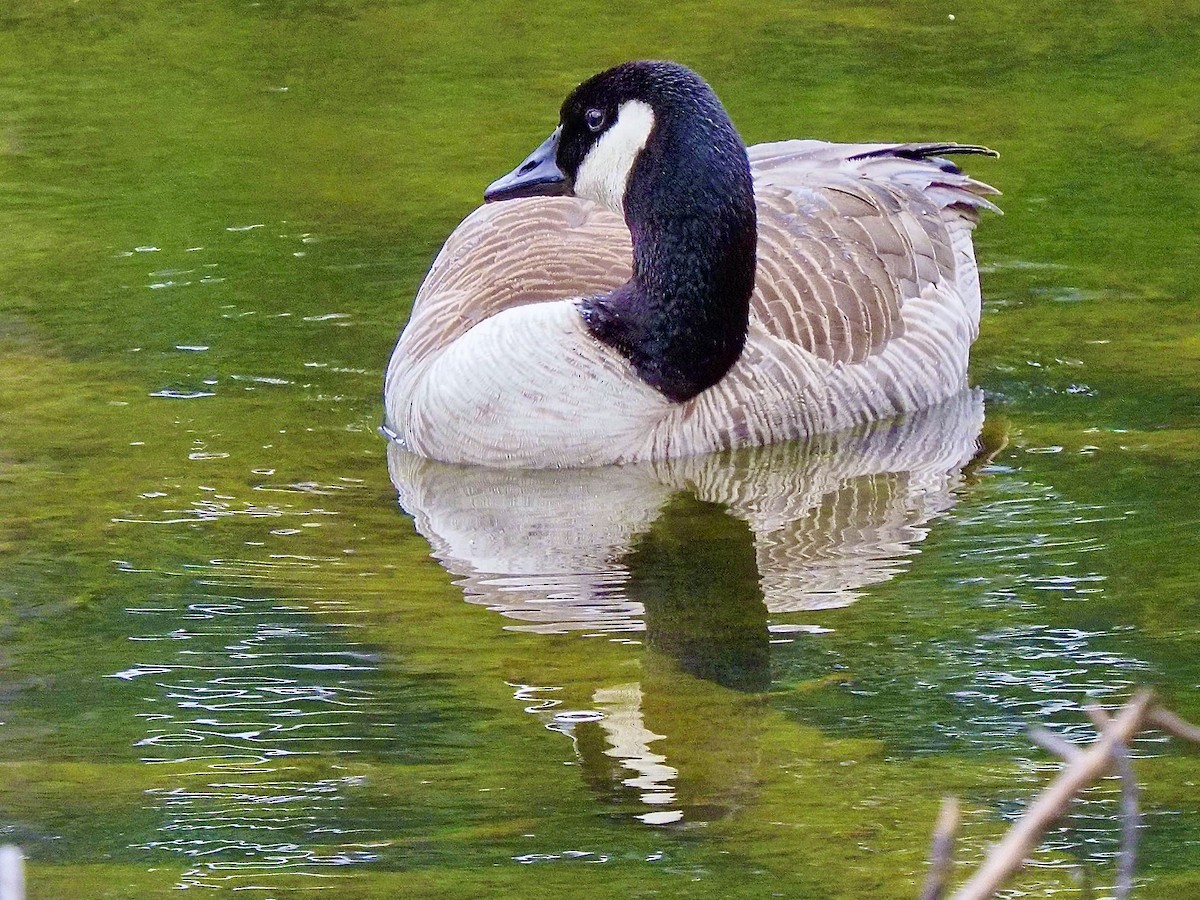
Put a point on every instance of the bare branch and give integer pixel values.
(1084, 765)
(941, 854)
(1173, 724)
(1053, 743)
(1009, 855)
(12, 873)
(1130, 821)
(1130, 816)
(1099, 716)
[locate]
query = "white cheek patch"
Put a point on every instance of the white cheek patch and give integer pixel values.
(604, 171)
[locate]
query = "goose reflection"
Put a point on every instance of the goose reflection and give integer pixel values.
(697, 557)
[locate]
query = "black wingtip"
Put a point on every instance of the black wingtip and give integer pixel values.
(977, 149)
(925, 151)
(928, 152)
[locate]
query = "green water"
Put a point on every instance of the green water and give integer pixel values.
(229, 660)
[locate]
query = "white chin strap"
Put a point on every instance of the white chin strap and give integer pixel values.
(605, 170)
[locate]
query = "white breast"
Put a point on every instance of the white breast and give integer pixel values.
(528, 387)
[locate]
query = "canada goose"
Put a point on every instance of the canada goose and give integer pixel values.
(748, 297)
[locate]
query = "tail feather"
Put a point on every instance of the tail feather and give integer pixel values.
(947, 185)
(926, 151)
(933, 152)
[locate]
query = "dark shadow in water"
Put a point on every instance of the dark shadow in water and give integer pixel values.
(696, 575)
(698, 559)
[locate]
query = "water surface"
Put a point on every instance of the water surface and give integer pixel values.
(247, 646)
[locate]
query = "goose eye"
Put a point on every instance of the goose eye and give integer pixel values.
(595, 119)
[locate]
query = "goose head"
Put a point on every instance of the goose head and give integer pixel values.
(652, 142)
(616, 124)
(604, 125)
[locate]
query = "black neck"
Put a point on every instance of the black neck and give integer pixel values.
(681, 319)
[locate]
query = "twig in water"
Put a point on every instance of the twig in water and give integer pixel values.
(1172, 724)
(12, 873)
(1009, 855)
(1052, 743)
(941, 854)
(1130, 817)
(1084, 765)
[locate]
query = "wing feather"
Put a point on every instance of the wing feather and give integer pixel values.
(505, 255)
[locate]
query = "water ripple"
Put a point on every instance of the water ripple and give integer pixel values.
(254, 718)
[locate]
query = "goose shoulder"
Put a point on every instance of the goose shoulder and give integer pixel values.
(505, 255)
